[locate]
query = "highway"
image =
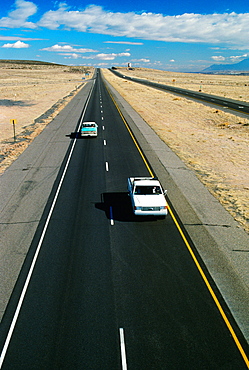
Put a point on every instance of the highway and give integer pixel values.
(239, 106)
(101, 289)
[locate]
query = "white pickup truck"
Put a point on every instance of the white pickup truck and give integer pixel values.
(147, 196)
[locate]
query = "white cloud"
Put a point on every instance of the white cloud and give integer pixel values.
(141, 60)
(18, 17)
(14, 38)
(218, 58)
(68, 48)
(228, 28)
(232, 58)
(70, 56)
(112, 56)
(103, 56)
(238, 58)
(157, 62)
(16, 45)
(123, 42)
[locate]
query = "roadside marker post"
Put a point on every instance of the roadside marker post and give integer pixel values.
(13, 121)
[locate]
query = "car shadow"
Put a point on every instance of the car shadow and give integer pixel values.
(117, 206)
(76, 135)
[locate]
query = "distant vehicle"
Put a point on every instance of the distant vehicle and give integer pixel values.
(147, 196)
(89, 129)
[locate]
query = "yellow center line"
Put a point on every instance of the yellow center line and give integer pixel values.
(224, 316)
(131, 134)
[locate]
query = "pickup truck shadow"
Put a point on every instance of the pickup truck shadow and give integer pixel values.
(117, 206)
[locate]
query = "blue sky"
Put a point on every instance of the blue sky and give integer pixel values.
(184, 36)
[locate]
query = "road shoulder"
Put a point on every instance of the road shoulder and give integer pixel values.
(25, 189)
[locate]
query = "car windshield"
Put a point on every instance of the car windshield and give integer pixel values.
(89, 125)
(147, 190)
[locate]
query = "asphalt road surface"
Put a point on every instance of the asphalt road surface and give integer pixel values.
(237, 105)
(101, 289)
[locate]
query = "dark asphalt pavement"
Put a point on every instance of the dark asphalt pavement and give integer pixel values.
(102, 273)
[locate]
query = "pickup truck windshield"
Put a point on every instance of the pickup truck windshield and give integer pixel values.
(147, 190)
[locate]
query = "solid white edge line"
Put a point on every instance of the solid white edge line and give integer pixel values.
(26, 284)
(122, 349)
(33, 263)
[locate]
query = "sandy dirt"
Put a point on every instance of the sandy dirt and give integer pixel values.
(229, 86)
(32, 95)
(213, 143)
(210, 141)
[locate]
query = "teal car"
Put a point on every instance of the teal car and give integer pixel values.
(89, 129)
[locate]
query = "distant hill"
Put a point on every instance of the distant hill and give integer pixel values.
(242, 66)
(29, 62)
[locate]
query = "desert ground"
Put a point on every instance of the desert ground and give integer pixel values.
(211, 141)
(32, 94)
